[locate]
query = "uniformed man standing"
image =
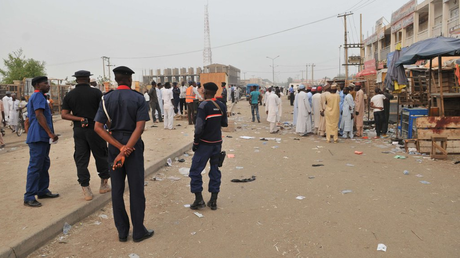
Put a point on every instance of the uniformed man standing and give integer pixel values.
(154, 103)
(207, 145)
(40, 136)
(224, 94)
(80, 105)
(125, 112)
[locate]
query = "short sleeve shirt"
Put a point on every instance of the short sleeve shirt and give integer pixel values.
(125, 108)
(83, 101)
(167, 95)
(255, 97)
(36, 132)
(378, 101)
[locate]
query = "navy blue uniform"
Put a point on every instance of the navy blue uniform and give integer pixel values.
(208, 137)
(125, 108)
(38, 178)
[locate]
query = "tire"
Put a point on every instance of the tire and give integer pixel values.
(20, 129)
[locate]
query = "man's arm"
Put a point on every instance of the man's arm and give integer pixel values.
(42, 122)
(65, 114)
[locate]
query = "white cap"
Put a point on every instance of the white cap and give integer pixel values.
(92, 80)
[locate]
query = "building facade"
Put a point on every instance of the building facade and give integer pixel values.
(411, 23)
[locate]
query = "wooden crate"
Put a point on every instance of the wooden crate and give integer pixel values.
(428, 127)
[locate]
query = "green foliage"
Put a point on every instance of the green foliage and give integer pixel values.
(18, 67)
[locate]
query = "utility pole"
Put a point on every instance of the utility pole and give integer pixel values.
(103, 66)
(312, 73)
(361, 40)
(345, 46)
(306, 73)
(273, 67)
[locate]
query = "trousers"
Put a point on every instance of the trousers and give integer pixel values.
(204, 153)
(255, 109)
(169, 117)
(133, 168)
(156, 107)
(379, 117)
(191, 113)
(38, 178)
(87, 141)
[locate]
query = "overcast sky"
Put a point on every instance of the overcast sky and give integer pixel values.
(74, 35)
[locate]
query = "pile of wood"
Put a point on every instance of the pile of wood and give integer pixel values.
(438, 127)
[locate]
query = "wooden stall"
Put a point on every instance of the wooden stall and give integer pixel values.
(428, 128)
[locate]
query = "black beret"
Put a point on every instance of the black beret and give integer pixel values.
(123, 70)
(39, 79)
(82, 73)
(224, 83)
(211, 86)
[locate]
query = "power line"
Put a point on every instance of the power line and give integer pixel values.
(364, 5)
(74, 62)
(234, 43)
(355, 5)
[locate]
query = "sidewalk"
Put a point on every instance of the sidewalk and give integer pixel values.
(24, 229)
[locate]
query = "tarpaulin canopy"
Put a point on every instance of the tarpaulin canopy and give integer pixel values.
(366, 72)
(430, 48)
(396, 76)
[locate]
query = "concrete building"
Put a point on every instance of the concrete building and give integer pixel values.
(232, 72)
(411, 23)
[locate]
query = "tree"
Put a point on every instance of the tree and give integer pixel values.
(18, 67)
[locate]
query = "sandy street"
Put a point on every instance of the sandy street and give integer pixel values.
(292, 209)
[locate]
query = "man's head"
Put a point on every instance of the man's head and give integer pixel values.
(182, 83)
(13, 95)
(123, 75)
(378, 91)
(93, 82)
(159, 85)
(292, 86)
(8, 93)
(210, 90)
(301, 87)
(23, 98)
(198, 84)
(223, 84)
(175, 84)
(309, 89)
(333, 88)
(346, 90)
(82, 76)
(319, 89)
(193, 84)
(154, 84)
(41, 83)
(269, 89)
(167, 85)
(357, 87)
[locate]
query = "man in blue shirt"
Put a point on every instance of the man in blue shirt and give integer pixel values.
(40, 136)
(291, 95)
(255, 97)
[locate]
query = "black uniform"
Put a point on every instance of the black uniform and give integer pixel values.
(83, 101)
(125, 108)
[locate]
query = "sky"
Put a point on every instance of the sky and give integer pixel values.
(74, 35)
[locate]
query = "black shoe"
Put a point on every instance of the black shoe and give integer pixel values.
(123, 239)
(48, 195)
(148, 234)
(197, 204)
(212, 205)
(33, 203)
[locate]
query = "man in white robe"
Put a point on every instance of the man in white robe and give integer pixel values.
(271, 109)
(303, 126)
(316, 101)
(294, 120)
(14, 112)
(347, 114)
(7, 100)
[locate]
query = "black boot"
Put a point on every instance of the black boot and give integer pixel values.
(198, 203)
(213, 201)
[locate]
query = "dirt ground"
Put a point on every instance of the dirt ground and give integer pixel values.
(292, 209)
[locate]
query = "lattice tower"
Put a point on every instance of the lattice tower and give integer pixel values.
(207, 53)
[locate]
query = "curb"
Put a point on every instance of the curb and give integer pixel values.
(24, 247)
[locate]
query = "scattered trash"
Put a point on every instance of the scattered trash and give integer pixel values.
(406, 172)
(317, 165)
(66, 228)
(418, 175)
(181, 160)
(350, 165)
(263, 139)
(247, 137)
(173, 178)
(381, 247)
(133, 255)
(358, 152)
(229, 136)
(186, 155)
(365, 137)
(419, 160)
(296, 139)
(193, 233)
(97, 223)
(156, 179)
(244, 180)
(425, 182)
(456, 162)
(264, 143)
(184, 171)
(400, 157)
(300, 197)
(386, 152)
(311, 177)
(230, 156)
(239, 167)
(346, 191)
(187, 205)
(199, 215)
(169, 162)
(62, 240)
(395, 143)
(285, 157)
(275, 147)
(146, 183)
(103, 216)
(256, 150)
(231, 150)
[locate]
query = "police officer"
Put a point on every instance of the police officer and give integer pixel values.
(207, 145)
(80, 106)
(125, 112)
(40, 136)
(224, 94)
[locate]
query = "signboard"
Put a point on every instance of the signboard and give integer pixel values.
(409, 8)
(369, 65)
(454, 30)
